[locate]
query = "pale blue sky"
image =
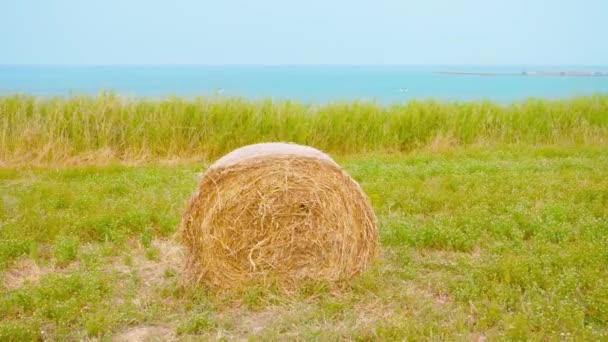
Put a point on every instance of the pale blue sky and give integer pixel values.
(304, 32)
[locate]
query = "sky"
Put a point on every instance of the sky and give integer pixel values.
(268, 32)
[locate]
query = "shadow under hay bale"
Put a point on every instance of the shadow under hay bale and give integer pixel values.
(277, 214)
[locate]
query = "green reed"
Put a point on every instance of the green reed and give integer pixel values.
(53, 129)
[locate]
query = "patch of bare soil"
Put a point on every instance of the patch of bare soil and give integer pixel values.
(152, 270)
(146, 333)
(152, 273)
(23, 270)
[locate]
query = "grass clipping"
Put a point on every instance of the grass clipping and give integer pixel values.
(277, 214)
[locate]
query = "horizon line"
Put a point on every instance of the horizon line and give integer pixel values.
(293, 65)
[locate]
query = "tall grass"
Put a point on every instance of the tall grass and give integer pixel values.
(54, 129)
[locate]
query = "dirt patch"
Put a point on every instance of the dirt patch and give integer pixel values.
(152, 271)
(170, 257)
(24, 270)
(255, 322)
(146, 333)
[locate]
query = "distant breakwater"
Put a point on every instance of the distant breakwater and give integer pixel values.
(528, 73)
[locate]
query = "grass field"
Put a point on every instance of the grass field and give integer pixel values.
(493, 220)
(509, 243)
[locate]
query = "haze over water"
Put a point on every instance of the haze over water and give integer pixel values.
(303, 83)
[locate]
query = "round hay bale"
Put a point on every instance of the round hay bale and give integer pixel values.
(277, 214)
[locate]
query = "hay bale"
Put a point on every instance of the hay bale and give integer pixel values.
(277, 214)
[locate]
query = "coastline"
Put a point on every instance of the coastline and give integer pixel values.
(529, 73)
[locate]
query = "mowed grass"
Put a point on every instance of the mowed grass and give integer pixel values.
(36, 130)
(497, 243)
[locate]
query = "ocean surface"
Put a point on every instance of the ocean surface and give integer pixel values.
(383, 84)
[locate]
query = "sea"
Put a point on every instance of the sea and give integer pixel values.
(318, 83)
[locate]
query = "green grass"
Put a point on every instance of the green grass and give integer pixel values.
(84, 129)
(497, 242)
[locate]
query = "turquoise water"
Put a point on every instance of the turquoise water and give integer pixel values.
(304, 83)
